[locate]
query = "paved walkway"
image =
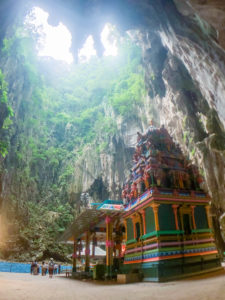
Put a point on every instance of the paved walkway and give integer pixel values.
(15, 286)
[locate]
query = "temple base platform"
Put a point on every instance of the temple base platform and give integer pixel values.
(128, 278)
(168, 270)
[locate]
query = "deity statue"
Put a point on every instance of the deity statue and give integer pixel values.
(159, 175)
(124, 196)
(200, 180)
(187, 181)
(174, 178)
(151, 127)
(163, 130)
(146, 178)
(152, 161)
(139, 187)
(180, 175)
(134, 190)
(197, 179)
(152, 176)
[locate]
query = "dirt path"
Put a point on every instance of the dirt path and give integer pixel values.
(26, 287)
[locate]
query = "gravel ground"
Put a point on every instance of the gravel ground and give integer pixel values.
(14, 286)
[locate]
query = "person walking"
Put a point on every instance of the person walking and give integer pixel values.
(55, 268)
(32, 267)
(35, 268)
(46, 267)
(43, 272)
(38, 268)
(51, 267)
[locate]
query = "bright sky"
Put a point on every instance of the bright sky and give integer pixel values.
(56, 41)
(109, 43)
(88, 50)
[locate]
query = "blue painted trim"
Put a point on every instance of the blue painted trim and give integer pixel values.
(168, 253)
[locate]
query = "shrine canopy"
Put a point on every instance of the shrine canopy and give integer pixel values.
(98, 252)
(93, 219)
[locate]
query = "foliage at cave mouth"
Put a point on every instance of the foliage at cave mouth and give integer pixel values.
(49, 114)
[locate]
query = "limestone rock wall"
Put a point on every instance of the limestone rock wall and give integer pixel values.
(213, 11)
(192, 103)
(101, 172)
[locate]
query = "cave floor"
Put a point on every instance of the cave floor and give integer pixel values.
(27, 287)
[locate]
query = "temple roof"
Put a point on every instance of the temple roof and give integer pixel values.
(159, 162)
(98, 251)
(89, 219)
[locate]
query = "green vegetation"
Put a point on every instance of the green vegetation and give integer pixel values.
(3, 148)
(6, 113)
(59, 113)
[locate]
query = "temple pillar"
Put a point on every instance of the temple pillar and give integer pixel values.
(109, 246)
(87, 252)
(175, 215)
(79, 249)
(125, 225)
(75, 256)
(209, 219)
(143, 220)
(155, 208)
(193, 216)
(118, 240)
(93, 244)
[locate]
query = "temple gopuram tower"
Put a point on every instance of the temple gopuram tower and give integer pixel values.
(166, 215)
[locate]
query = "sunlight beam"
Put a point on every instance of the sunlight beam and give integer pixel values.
(109, 40)
(53, 41)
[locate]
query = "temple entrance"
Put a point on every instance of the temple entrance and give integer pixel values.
(138, 230)
(186, 224)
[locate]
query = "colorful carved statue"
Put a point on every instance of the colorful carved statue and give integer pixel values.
(174, 178)
(152, 177)
(159, 175)
(139, 186)
(181, 179)
(151, 127)
(158, 161)
(152, 161)
(200, 180)
(187, 181)
(146, 178)
(134, 190)
(124, 196)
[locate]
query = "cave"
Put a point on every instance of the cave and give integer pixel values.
(60, 137)
(98, 190)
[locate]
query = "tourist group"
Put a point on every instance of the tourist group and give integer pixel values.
(50, 267)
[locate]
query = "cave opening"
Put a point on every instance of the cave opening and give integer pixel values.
(52, 41)
(56, 41)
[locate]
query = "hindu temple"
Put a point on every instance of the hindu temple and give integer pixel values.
(162, 228)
